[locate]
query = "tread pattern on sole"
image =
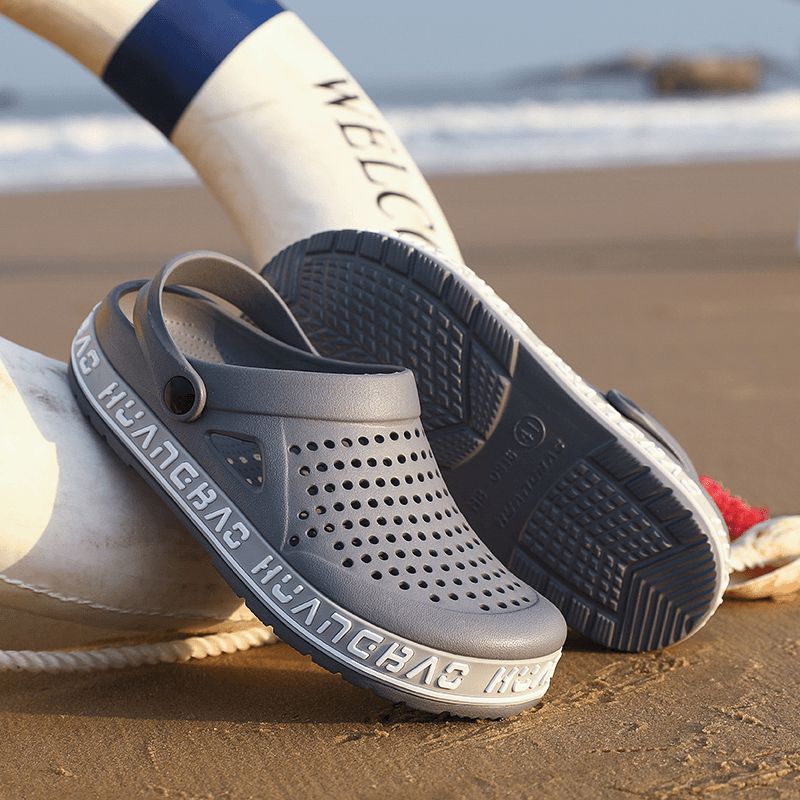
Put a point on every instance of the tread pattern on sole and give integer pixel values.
(621, 557)
(462, 356)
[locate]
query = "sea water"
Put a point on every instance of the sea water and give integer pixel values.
(94, 140)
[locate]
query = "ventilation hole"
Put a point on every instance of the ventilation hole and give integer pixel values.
(312, 490)
(347, 443)
(377, 575)
(294, 450)
(322, 467)
(394, 436)
(243, 456)
(338, 506)
(502, 605)
(394, 571)
(347, 524)
(371, 462)
(338, 545)
(338, 464)
(356, 542)
(366, 558)
(356, 463)
(311, 533)
(304, 471)
(312, 446)
(453, 596)
(383, 556)
(484, 607)
(329, 527)
(329, 444)
(329, 487)
(348, 562)
(319, 510)
(303, 515)
(363, 440)
(294, 541)
(355, 504)
(435, 598)
(379, 439)
(373, 540)
(364, 522)
(364, 483)
(404, 586)
(422, 584)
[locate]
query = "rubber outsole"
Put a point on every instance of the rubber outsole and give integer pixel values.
(256, 605)
(570, 496)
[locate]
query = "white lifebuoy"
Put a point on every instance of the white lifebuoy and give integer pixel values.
(271, 121)
(290, 144)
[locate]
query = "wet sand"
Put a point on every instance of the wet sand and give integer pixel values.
(680, 285)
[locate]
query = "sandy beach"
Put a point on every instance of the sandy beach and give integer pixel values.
(679, 285)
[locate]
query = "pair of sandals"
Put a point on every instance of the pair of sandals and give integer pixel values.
(393, 471)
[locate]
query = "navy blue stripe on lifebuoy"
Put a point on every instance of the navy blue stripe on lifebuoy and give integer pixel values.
(171, 52)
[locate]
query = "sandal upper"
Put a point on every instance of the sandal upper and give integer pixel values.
(328, 460)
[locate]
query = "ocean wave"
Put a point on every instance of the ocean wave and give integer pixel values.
(113, 148)
(549, 135)
(98, 149)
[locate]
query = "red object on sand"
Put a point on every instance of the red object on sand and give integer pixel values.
(739, 516)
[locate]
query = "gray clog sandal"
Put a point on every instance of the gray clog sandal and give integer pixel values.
(583, 495)
(312, 485)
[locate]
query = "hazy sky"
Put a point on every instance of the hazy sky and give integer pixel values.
(414, 40)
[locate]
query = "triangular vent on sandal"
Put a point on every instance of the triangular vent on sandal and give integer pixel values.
(243, 456)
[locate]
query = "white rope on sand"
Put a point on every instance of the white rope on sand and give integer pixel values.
(773, 544)
(170, 652)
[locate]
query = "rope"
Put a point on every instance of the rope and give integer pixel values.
(765, 552)
(170, 652)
